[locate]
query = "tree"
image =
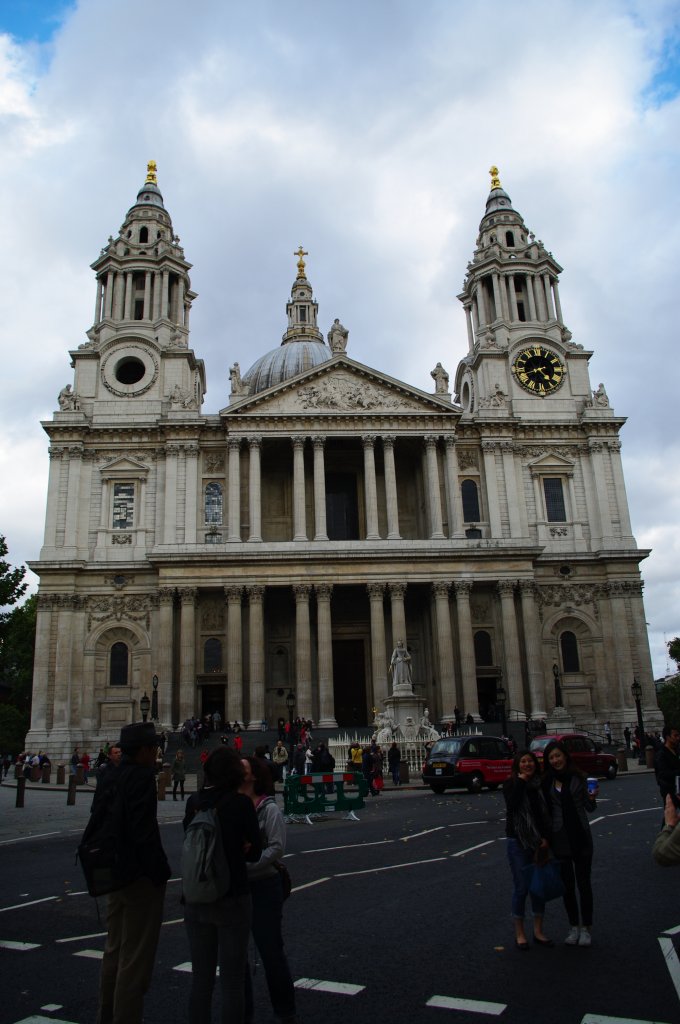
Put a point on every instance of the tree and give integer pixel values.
(12, 586)
(13, 729)
(17, 645)
(674, 649)
(668, 697)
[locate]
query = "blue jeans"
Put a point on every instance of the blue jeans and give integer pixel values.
(218, 933)
(518, 858)
(267, 896)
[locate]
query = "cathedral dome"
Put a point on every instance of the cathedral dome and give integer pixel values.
(285, 362)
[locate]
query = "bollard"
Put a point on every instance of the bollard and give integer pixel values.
(404, 775)
(161, 784)
(168, 773)
(649, 756)
(71, 796)
(80, 775)
(18, 771)
(21, 789)
(46, 771)
(621, 759)
(61, 774)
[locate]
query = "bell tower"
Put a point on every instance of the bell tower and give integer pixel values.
(137, 350)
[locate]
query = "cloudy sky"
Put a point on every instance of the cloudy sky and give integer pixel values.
(363, 129)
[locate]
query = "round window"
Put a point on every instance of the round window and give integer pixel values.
(130, 370)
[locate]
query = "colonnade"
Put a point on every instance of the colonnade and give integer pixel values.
(162, 294)
(495, 298)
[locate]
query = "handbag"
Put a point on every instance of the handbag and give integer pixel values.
(545, 880)
(286, 880)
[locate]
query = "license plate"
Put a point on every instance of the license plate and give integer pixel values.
(439, 765)
(438, 771)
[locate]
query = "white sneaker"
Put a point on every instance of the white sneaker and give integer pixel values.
(584, 938)
(572, 937)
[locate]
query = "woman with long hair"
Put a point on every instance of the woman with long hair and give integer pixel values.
(267, 878)
(218, 932)
(570, 801)
(527, 827)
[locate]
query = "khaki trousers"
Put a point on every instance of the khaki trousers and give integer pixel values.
(133, 918)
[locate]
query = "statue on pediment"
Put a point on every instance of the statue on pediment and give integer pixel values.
(337, 337)
(441, 380)
(68, 400)
(238, 387)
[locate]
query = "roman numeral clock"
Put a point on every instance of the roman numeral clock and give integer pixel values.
(539, 370)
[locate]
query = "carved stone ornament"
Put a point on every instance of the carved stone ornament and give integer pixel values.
(121, 538)
(68, 400)
(479, 610)
(497, 400)
(212, 615)
(559, 531)
(346, 392)
(214, 462)
(147, 381)
(467, 459)
(133, 607)
(576, 595)
(180, 398)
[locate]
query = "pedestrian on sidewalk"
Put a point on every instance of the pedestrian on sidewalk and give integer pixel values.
(179, 774)
(394, 761)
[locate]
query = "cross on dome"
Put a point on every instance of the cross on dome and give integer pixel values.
(495, 180)
(151, 176)
(300, 252)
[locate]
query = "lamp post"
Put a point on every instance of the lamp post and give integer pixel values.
(144, 706)
(501, 697)
(636, 690)
(290, 704)
(558, 688)
(154, 699)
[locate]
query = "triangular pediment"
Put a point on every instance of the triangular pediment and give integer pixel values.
(124, 467)
(551, 461)
(340, 385)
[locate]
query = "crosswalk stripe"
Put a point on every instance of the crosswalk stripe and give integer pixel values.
(8, 944)
(471, 1005)
(91, 954)
(338, 987)
(596, 1018)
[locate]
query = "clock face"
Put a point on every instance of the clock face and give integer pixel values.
(538, 370)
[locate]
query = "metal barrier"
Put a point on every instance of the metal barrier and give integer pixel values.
(300, 805)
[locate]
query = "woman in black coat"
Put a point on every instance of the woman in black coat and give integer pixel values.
(569, 801)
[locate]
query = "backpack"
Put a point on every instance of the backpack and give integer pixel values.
(205, 869)
(102, 852)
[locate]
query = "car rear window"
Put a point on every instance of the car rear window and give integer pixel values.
(445, 747)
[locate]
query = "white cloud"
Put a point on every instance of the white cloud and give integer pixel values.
(364, 131)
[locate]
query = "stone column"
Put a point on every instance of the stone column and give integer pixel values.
(481, 304)
(303, 651)
(57, 467)
(532, 648)
(41, 664)
(453, 499)
(325, 642)
(255, 596)
(530, 296)
(299, 511)
(434, 501)
(319, 490)
(513, 664)
(157, 290)
(170, 525)
(379, 658)
(640, 646)
(619, 488)
(179, 302)
(391, 495)
(468, 322)
(165, 294)
(497, 300)
(187, 656)
(191, 453)
(73, 497)
(493, 504)
(600, 479)
(234, 655)
(118, 295)
(255, 490)
(447, 678)
(548, 297)
(108, 295)
(510, 476)
(370, 488)
(98, 300)
(468, 666)
(558, 305)
(514, 315)
(84, 711)
(62, 667)
(166, 601)
(234, 446)
(127, 315)
(147, 295)
(623, 661)
(397, 592)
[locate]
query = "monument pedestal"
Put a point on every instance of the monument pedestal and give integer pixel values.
(402, 706)
(559, 720)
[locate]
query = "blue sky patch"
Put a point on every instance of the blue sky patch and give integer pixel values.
(32, 20)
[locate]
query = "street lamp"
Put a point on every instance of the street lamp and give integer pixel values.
(154, 699)
(558, 688)
(636, 690)
(501, 697)
(144, 706)
(290, 704)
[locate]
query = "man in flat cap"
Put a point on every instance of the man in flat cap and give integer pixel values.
(135, 911)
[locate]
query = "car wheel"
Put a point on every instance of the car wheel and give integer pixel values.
(612, 771)
(492, 786)
(475, 782)
(437, 788)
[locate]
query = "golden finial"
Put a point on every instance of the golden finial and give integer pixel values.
(301, 263)
(495, 180)
(151, 176)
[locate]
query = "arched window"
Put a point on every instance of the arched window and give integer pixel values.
(470, 496)
(569, 648)
(143, 235)
(509, 239)
(212, 655)
(213, 504)
(483, 652)
(118, 669)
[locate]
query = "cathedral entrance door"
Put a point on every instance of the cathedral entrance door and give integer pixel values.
(349, 683)
(212, 700)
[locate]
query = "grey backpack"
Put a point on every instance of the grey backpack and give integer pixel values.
(205, 869)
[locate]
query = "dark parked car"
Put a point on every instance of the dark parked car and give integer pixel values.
(585, 754)
(470, 761)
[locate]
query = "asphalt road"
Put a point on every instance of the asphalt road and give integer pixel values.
(403, 916)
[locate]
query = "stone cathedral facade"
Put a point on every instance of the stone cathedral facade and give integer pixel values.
(288, 541)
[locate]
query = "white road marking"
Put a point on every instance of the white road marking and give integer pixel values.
(471, 1005)
(51, 1007)
(672, 931)
(462, 824)
(461, 853)
(178, 920)
(642, 810)
(23, 946)
(349, 846)
(672, 962)
(388, 867)
(596, 1018)
(308, 885)
(23, 839)
(32, 903)
(594, 821)
(338, 987)
(91, 954)
(82, 938)
(43, 1020)
(83, 892)
(405, 839)
(184, 968)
